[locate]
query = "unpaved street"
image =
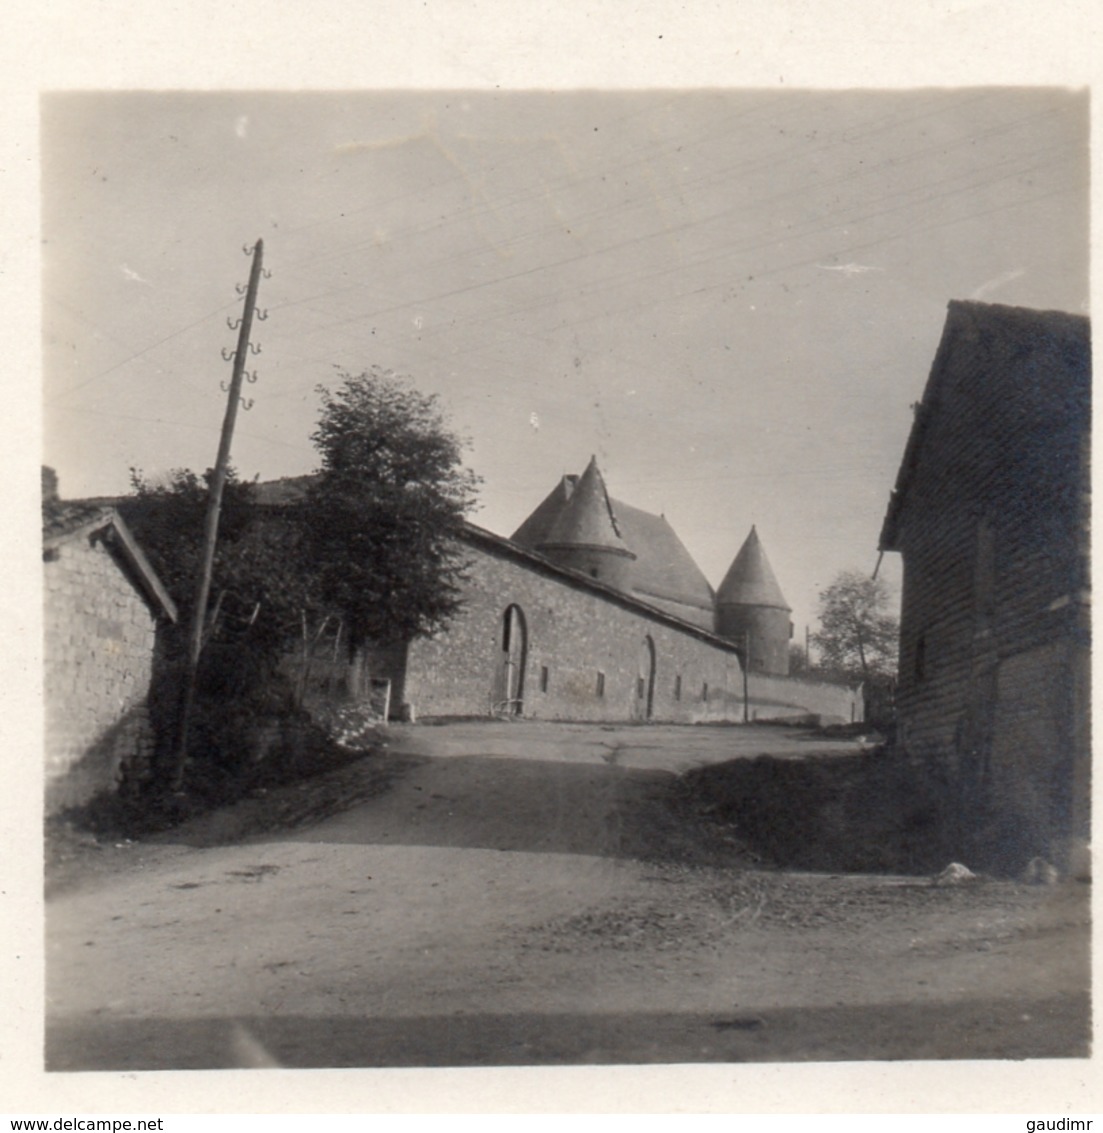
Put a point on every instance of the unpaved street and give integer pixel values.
(530, 894)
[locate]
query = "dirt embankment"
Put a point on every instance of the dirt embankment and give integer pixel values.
(860, 813)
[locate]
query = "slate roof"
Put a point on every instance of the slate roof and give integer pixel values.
(663, 571)
(64, 519)
(586, 518)
(663, 567)
(750, 580)
(534, 530)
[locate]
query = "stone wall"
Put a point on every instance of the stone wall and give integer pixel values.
(586, 655)
(99, 645)
(780, 698)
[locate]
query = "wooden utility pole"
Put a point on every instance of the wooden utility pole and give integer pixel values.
(746, 666)
(214, 511)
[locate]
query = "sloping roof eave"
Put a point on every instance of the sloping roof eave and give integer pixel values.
(959, 313)
(108, 520)
(123, 539)
(474, 533)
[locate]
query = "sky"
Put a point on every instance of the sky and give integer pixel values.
(731, 297)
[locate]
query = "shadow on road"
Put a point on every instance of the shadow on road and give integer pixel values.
(824, 812)
(1057, 1027)
(523, 806)
(828, 813)
(844, 814)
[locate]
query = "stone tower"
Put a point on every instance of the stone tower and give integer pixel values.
(585, 536)
(751, 610)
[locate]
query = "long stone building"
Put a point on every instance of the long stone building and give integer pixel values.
(595, 610)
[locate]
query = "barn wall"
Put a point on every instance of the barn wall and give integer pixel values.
(993, 624)
(1035, 760)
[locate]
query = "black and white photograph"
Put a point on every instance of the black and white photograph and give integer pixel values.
(564, 577)
(638, 609)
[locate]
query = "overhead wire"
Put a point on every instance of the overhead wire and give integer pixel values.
(582, 256)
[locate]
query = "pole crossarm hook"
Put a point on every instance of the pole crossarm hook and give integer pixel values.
(233, 324)
(250, 376)
(241, 288)
(197, 634)
(254, 347)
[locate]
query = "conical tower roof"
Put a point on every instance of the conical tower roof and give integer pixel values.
(534, 530)
(750, 579)
(586, 519)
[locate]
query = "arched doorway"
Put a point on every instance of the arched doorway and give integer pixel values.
(645, 681)
(509, 681)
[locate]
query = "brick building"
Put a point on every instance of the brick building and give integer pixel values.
(990, 513)
(102, 606)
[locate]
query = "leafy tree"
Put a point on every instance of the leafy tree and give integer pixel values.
(261, 579)
(385, 507)
(262, 586)
(858, 634)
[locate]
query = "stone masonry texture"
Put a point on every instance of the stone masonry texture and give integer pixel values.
(99, 645)
(587, 656)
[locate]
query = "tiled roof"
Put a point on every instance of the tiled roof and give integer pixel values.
(62, 519)
(663, 567)
(286, 490)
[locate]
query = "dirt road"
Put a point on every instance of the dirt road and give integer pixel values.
(539, 894)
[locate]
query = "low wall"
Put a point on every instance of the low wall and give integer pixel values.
(779, 698)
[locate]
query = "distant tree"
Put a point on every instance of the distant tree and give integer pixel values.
(385, 507)
(858, 634)
(799, 662)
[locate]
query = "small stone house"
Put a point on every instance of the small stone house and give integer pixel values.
(103, 604)
(990, 513)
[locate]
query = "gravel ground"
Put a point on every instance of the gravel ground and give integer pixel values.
(468, 898)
